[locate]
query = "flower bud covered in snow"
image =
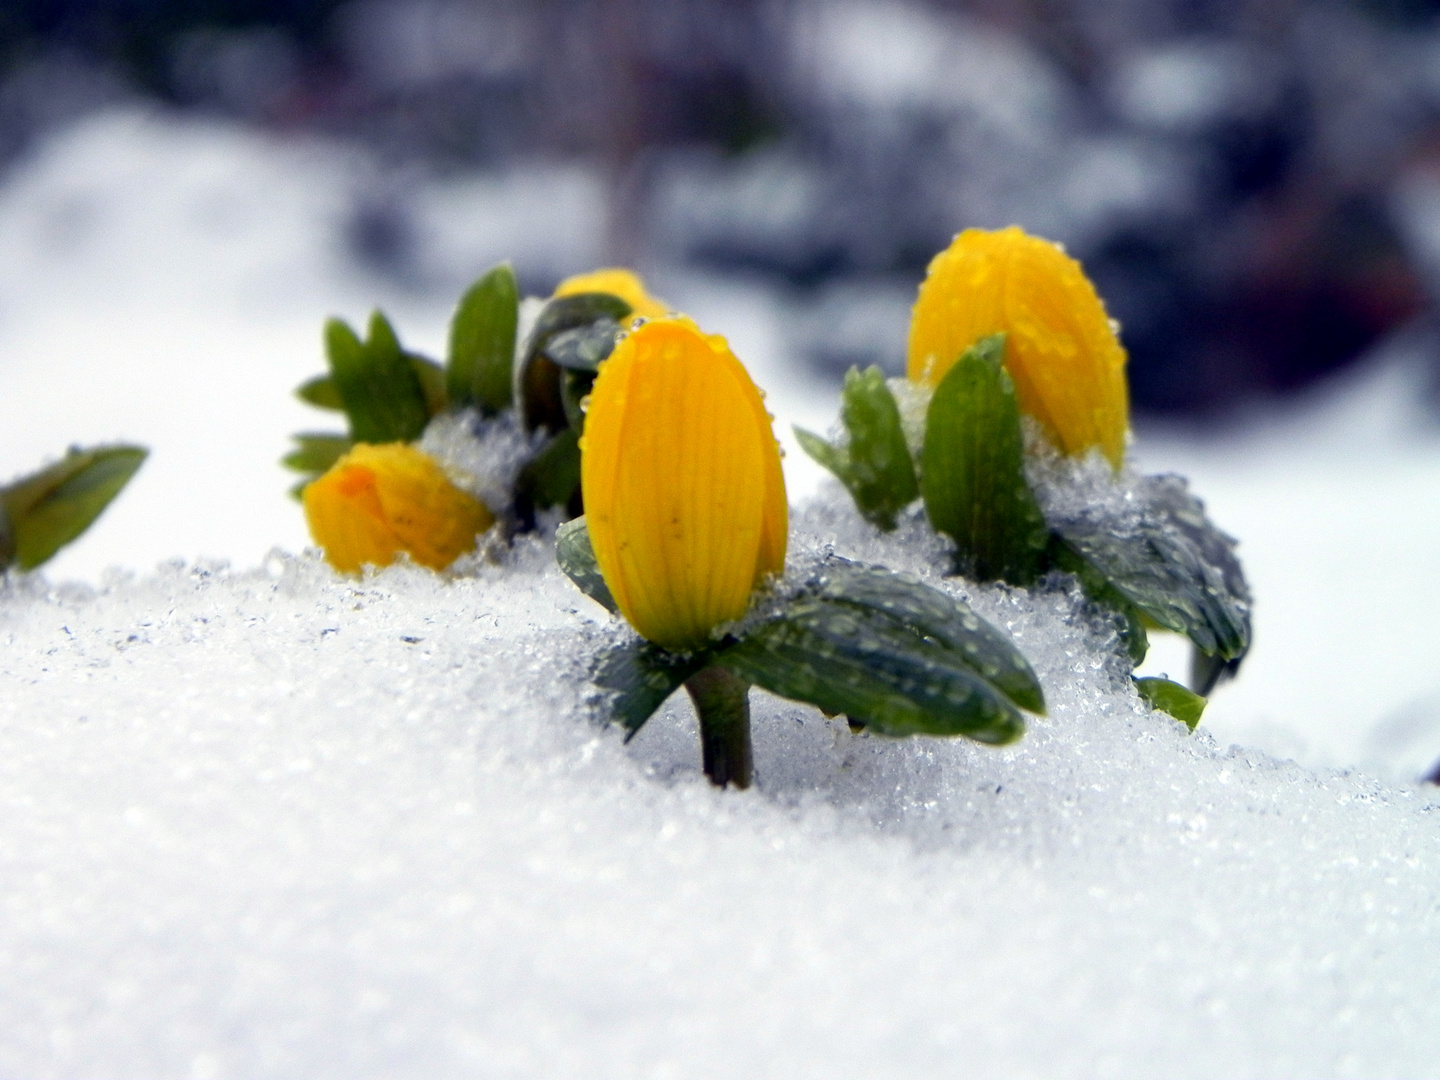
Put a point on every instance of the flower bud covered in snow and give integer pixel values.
(378, 501)
(626, 284)
(684, 497)
(1061, 348)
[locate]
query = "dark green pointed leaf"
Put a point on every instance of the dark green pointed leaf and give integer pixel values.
(482, 342)
(317, 452)
(1097, 587)
(638, 677)
(577, 560)
(863, 663)
(874, 465)
(322, 393)
(432, 383)
(50, 508)
(553, 475)
(541, 403)
(1171, 697)
(973, 470)
(383, 396)
(937, 617)
(583, 347)
(1171, 563)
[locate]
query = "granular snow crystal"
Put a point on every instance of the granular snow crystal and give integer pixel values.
(273, 822)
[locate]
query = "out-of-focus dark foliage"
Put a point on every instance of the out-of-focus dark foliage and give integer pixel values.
(1255, 186)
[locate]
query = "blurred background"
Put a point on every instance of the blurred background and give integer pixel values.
(188, 188)
(1253, 184)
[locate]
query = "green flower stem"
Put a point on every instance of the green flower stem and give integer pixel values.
(722, 702)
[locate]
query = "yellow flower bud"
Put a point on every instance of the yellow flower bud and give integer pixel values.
(1061, 350)
(378, 501)
(616, 281)
(684, 497)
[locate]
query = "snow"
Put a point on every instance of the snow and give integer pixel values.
(261, 820)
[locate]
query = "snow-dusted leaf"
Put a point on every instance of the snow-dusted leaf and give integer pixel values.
(576, 557)
(937, 617)
(48, 509)
(482, 342)
(541, 404)
(638, 677)
(973, 474)
(874, 464)
(1170, 697)
(877, 671)
(1171, 562)
(1098, 588)
(383, 396)
(581, 348)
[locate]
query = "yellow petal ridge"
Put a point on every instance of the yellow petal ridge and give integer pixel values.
(380, 500)
(684, 495)
(617, 281)
(1061, 348)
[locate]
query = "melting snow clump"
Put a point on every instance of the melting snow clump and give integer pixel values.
(272, 822)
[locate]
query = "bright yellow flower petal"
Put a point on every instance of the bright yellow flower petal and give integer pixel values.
(1061, 349)
(684, 497)
(620, 282)
(378, 501)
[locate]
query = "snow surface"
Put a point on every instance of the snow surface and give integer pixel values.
(265, 821)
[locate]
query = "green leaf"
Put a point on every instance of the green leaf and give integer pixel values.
(1171, 697)
(1171, 563)
(875, 465)
(639, 677)
(482, 342)
(317, 452)
(938, 617)
(321, 392)
(383, 396)
(583, 347)
(863, 663)
(541, 404)
(432, 383)
(1097, 587)
(973, 472)
(553, 475)
(577, 561)
(48, 509)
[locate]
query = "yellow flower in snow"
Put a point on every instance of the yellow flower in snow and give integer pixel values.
(1061, 349)
(684, 497)
(620, 282)
(378, 501)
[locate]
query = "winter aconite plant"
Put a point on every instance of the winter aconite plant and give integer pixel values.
(1015, 441)
(436, 455)
(685, 535)
(42, 512)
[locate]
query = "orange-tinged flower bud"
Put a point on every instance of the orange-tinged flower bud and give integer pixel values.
(684, 497)
(1061, 349)
(620, 282)
(378, 501)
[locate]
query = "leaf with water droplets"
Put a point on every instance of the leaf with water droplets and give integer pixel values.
(638, 677)
(1171, 563)
(576, 558)
(937, 617)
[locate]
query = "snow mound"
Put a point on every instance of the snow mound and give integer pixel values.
(276, 823)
